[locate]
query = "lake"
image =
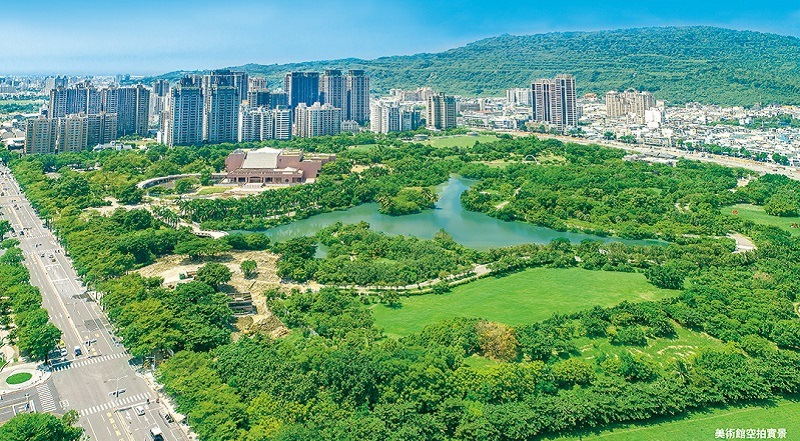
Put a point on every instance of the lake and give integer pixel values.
(471, 229)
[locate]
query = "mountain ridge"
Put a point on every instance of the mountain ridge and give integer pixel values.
(679, 64)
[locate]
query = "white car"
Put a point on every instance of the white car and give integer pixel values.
(139, 410)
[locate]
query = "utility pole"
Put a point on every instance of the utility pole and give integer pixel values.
(116, 389)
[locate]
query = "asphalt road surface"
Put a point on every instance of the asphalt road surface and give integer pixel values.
(85, 382)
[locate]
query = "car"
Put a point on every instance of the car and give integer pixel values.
(78, 351)
(139, 410)
(156, 434)
(41, 254)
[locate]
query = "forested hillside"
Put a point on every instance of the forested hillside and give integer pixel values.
(679, 64)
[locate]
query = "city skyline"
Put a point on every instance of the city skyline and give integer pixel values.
(209, 35)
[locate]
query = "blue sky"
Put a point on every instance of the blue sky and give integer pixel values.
(156, 36)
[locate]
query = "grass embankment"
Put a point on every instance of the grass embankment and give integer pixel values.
(702, 425)
(757, 214)
(520, 298)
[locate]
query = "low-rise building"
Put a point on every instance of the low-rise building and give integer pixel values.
(273, 166)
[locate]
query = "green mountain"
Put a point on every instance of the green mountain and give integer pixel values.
(678, 64)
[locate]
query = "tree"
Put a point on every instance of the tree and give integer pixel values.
(248, 268)
(39, 341)
(41, 427)
(198, 247)
(497, 341)
(5, 227)
(609, 136)
(214, 274)
(205, 177)
(184, 186)
(129, 194)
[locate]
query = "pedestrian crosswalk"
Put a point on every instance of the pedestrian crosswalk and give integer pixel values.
(86, 362)
(122, 402)
(46, 398)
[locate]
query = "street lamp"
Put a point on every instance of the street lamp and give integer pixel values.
(116, 389)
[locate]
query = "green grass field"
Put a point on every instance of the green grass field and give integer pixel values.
(212, 190)
(19, 378)
(756, 214)
(700, 426)
(459, 140)
(520, 298)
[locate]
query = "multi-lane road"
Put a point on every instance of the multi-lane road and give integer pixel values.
(86, 382)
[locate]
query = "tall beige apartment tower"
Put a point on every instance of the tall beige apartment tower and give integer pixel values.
(440, 114)
(554, 101)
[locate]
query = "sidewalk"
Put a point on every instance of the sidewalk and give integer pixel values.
(38, 376)
(166, 401)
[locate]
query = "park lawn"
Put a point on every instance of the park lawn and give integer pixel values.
(525, 297)
(702, 425)
(756, 214)
(212, 190)
(459, 140)
(362, 147)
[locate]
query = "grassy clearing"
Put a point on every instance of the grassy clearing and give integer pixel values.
(699, 426)
(19, 378)
(212, 190)
(756, 214)
(663, 351)
(520, 298)
(459, 141)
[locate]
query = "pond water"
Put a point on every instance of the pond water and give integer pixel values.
(471, 229)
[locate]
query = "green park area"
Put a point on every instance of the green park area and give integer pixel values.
(520, 298)
(18, 378)
(757, 214)
(459, 140)
(699, 426)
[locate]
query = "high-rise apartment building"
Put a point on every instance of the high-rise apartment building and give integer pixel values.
(73, 132)
(519, 95)
(317, 120)
(266, 98)
(554, 101)
(301, 87)
(256, 84)
(333, 89)
(388, 116)
(629, 104)
(158, 98)
(40, 135)
(183, 121)
(357, 96)
(384, 117)
(263, 123)
(133, 107)
(101, 128)
(440, 114)
(221, 114)
(226, 77)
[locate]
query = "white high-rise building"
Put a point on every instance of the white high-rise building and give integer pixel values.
(387, 117)
(519, 96)
(183, 121)
(317, 120)
(262, 123)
